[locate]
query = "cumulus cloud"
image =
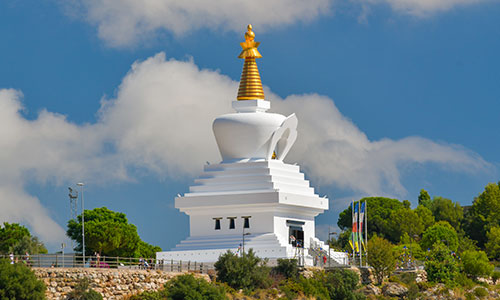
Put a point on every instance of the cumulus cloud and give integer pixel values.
(160, 123)
(420, 8)
(124, 22)
(127, 22)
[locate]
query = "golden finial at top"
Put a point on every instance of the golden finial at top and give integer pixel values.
(250, 84)
(249, 45)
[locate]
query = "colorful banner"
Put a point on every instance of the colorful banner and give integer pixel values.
(355, 236)
(361, 223)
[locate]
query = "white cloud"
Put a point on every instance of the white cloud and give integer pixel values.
(160, 122)
(124, 22)
(421, 8)
(127, 22)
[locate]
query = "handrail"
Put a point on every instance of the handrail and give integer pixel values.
(60, 260)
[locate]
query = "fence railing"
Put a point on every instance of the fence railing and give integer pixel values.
(107, 262)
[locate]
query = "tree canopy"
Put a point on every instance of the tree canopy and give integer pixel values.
(378, 212)
(484, 214)
(19, 282)
(15, 238)
(109, 233)
(444, 209)
(441, 232)
(381, 257)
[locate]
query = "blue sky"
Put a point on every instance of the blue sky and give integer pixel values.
(407, 93)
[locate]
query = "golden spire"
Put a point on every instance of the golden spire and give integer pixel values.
(250, 84)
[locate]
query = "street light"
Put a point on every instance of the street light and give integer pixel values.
(330, 233)
(243, 245)
(80, 184)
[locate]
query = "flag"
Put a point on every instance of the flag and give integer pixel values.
(355, 227)
(361, 223)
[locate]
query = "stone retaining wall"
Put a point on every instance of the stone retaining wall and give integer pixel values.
(110, 283)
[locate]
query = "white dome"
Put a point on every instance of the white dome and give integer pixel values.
(252, 134)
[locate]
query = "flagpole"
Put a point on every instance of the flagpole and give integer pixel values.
(352, 235)
(360, 241)
(366, 231)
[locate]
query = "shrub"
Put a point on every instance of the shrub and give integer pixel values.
(287, 267)
(441, 265)
(187, 287)
(19, 282)
(476, 264)
(408, 278)
(464, 281)
(413, 291)
(481, 292)
(342, 284)
(495, 276)
(82, 291)
(246, 272)
(337, 284)
(157, 295)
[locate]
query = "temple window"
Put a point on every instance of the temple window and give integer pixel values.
(231, 222)
(246, 223)
(217, 223)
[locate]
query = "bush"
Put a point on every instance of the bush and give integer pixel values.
(464, 281)
(246, 272)
(158, 295)
(82, 291)
(476, 264)
(441, 265)
(495, 276)
(342, 284)
(481, 292)
(337, 285)
(190, 288)
(19, 282)
(287, 267)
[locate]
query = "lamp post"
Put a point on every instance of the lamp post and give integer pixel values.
(243, 245)
(63, 245)
(330, 233)
(81, 184)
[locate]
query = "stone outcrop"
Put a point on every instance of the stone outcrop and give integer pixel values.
(110, 283)
(393, 289)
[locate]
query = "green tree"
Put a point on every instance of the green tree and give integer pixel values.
(425, 216)
(381, 257)
(19, 282)
(465, 243)
(146, 250)
(476, 264)
(441, 265)
(342, 242)
(107, 232)
(493, 244)
(15, 238)
(441, 232)
(484, 214)
(245, 272)
(405, 221)
(378, 213)
(82, 291)
(424, 199)
(445, 210)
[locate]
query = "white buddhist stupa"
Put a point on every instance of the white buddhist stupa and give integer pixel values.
(252, 199)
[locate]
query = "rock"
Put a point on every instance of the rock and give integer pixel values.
(394, 289)
(371, 289)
